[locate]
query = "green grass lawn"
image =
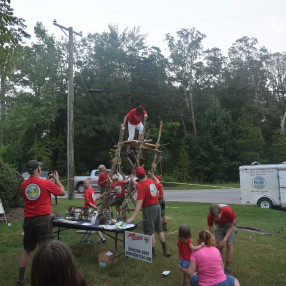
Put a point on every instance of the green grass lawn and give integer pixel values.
(258, 259)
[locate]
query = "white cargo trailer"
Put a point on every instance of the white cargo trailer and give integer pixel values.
(263, 184)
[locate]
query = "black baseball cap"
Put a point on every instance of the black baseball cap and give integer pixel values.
(33, 165)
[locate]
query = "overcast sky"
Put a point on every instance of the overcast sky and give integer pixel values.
(222, 21)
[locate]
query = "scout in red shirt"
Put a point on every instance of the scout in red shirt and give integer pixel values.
(135, 122)
(102, 178)
(147, 198)
(119, 192)
(37, 223)
(90, 202)
(225, 221)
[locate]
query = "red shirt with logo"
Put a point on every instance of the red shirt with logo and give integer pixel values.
(134, 117)
(184, 249)
(160, 189)
(89, 197)
(147, 192)
(227, 216)
(118, 189)
(102, 179)
(37, 196)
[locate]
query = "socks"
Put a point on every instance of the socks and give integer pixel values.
(163, 244)
(22, 273)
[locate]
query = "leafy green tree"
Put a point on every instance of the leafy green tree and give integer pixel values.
(276, 67)
(12, 34)
(35, 122)
(248, 139)
(10, 181)
(184, 160)
(247, 58)
(212, 153)
(185, 53)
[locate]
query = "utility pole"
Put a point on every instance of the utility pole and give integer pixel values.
(70, 124)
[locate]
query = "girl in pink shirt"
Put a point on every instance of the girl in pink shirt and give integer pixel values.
(209, 264)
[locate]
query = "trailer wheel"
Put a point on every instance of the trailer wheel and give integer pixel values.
(265, 203)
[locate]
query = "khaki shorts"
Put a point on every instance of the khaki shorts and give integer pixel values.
(162, 205)
(152, 221)
(115, 201)
(220, 231)
(37, 230)
(101, 190)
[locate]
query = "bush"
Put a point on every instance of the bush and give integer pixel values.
(10, 181)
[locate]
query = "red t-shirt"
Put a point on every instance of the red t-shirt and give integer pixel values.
(89, 197)
(227, 216)
(37, 196)
(118, 189)
(185, 251)
(134, 117)
(160, 189)
(147, 192)
(101, 178)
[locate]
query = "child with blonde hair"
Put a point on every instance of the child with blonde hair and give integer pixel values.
(185, 248)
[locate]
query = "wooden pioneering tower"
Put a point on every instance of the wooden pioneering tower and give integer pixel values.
(134, 160)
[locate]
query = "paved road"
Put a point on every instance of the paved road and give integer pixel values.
(226, 196)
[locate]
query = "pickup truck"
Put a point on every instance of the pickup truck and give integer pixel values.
(78, 180)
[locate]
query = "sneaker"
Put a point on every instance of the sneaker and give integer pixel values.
(87, 241)
(25, 281)
(165, 227)
(166, 252)
(227, 271)
(103, 240)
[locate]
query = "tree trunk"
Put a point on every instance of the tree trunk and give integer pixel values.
(2, 108)
(282, 124)
(193, 113)
(190, 107)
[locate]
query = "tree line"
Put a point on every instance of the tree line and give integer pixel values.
(218, 112)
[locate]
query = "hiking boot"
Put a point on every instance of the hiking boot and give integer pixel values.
(166, 252)
(25, 281)
(103, 240)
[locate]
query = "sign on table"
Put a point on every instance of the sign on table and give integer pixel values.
(138, 246)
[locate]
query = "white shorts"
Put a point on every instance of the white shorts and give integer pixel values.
(131, 129)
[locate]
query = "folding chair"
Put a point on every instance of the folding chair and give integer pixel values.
(2, 212)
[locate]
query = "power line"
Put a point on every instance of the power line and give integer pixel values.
(137, 10)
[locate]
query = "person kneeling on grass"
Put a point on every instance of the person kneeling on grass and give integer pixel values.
(208, 263)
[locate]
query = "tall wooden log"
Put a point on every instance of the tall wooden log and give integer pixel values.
(154, 165)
